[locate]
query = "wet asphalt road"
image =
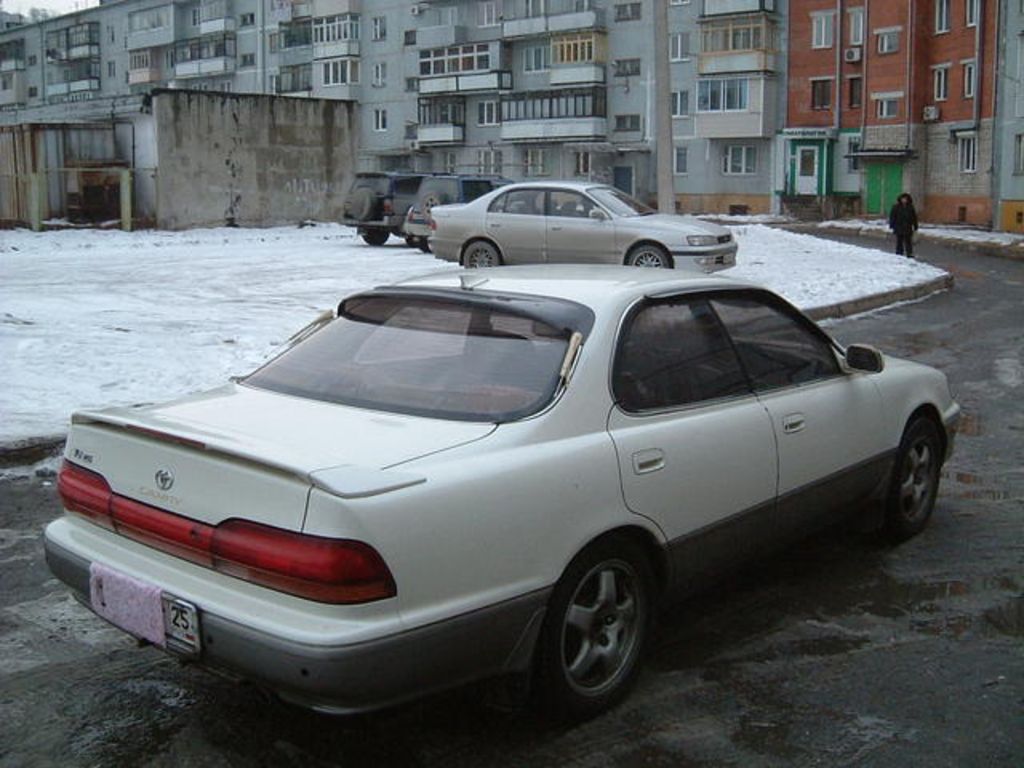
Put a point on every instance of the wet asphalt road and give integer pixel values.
(839, 652)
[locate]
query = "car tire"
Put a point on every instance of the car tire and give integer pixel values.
(595, 628)
(915, 481)
(375, 236)
(480, 253)
(648, 255)
(360, 203)
(411, 241)
(424, 245)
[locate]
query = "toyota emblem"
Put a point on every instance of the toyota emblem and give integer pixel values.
(164, 479)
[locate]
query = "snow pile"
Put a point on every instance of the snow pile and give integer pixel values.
(964, 234)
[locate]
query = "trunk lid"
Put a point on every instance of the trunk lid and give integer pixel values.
(247, 453)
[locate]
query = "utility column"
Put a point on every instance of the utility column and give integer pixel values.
(663, 147)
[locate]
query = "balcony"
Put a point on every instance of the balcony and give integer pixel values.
(561, 16)
(295, 55)
(445, 133)
(440, 35)
(733, 7)
(336, 7)
(341, 92)
(498, 80)
(336, 49)
(151, 38)
(72, 87)
(577, 74)
(218, 65)
(732, 125)
(144, 75)
(12, 65)
(724, 62)
(555, 129)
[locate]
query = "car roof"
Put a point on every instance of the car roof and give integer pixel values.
(595, 285)
(579, 186)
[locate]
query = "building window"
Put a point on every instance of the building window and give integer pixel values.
(488, 14)
(380, 74)
(1018, 153)
(340, 71)
(379, 27)
(627, 67)
(679, 46)
(409, 37)
(728, 95)
(856, 19)
(489, 161)
(111, 69)
(856, 86)
(334, 29)
(537, 58)
(195, 17)
(33, 91)
(679, 161)
(487, 113)
(474, 57)
(969, 76)
(412, 84)
(940, 83)
(971, 12)
(627, 122)
(888, 40)
(680, 103)
(248, 60)
(739, 160)
(821, 94)
(449, 162)
(822, 29)
(967, 153)
(627, 11)
(581, 163)
(32, 60)
(450, 111)
(549, 105)
(573, 49)
(887, 107)
(380, 120)
(247, 19)
(852, 160)
(941, 16)
(535, 162)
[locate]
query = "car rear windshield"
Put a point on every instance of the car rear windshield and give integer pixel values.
(426, 356)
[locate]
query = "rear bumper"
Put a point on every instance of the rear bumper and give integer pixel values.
(360, 676)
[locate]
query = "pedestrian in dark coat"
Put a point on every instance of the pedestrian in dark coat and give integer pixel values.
(903, 222)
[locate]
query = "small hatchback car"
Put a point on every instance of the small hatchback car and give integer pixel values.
(484, 474)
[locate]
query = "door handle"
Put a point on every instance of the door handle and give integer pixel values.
(556, 229)
(493, 225)
(792, 423)
(651, 460)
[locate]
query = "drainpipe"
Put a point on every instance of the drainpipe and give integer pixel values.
(995, 169)
(979, 57)
(865, 93)
(663, 117)
(837, 111)
(909, 74)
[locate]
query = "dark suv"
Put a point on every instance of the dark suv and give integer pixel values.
(439, 190)
(377, 204)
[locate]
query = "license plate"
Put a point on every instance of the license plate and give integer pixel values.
(181, 626)
(144, 610)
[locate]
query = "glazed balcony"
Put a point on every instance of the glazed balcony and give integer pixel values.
(577, 74)
(336, 7)
(555, 129)
(560, 16)
(16, 93)
(733, 7)
(497, 80)
(444, 133)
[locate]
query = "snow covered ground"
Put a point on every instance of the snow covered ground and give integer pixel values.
(968, 234)
(91, 318)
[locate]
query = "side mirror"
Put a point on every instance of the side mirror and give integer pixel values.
(862, 357)
(598, 214)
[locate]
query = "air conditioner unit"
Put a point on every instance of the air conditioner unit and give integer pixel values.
(931, 113)
(415, 10)
(851, 55)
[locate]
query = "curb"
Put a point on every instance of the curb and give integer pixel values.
(28, 451)
(1012, 252)
(879, 300)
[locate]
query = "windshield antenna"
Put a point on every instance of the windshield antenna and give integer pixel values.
(469, 281)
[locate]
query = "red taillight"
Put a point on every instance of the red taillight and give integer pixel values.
(85, 492)
(313, 567)
(389, 208)
(328, 570)
(433, 224)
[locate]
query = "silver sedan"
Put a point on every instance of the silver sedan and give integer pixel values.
(574, 222)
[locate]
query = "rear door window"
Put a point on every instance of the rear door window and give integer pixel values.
(474, 188)
(525, 202)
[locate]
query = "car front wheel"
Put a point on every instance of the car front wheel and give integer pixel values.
(480, 253)
(649, 255)
(594, 631)
(915, 481)
(375, 236)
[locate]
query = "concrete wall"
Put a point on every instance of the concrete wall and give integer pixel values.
(251, 160)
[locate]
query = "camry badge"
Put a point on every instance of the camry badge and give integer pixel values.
(164, 479)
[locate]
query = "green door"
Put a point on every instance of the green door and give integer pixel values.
(884, 184)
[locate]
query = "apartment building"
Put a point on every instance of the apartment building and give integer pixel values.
(887, 97)
(1009, 123)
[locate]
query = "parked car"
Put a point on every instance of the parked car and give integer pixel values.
(442, 190)
(575, 222)
(377, 203)
(493, 473)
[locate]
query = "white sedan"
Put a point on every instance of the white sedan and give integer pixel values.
(568, 222)
(488, 474)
